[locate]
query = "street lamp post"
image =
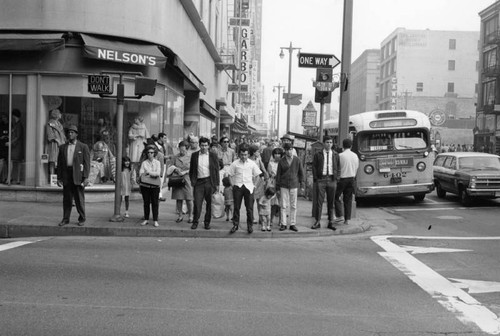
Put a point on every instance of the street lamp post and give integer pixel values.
(282, 55)
(279, 86)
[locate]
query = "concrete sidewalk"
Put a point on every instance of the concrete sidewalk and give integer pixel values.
(33, 219)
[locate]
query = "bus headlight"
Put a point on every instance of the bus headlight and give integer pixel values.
(369, 169)
(426, 154)
(421, 166)
(362, 157)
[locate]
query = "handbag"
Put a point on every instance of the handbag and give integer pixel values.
(176, 181)
(150, 181)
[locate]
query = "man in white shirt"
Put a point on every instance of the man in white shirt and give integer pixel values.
(242, 173)
(349, 164)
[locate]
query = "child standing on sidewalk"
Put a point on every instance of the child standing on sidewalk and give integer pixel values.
(264, 207)
(228, 198)
(126, 182)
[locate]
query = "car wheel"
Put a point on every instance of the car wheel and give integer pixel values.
(440, 192)
(419, 197)
(465, 199)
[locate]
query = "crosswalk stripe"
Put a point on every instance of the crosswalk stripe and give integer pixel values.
(12, 245)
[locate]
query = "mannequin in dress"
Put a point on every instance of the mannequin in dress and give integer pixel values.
(55, 138)
(137, 134)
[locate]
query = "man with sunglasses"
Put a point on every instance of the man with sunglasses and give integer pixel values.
(205, 179)
(226, 154)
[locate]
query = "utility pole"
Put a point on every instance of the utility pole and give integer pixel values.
(290, 51)
(279, 86)
(345, 71)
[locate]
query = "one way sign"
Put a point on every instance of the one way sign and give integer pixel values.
(307, 60)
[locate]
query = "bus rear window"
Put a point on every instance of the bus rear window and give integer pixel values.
(392, 141)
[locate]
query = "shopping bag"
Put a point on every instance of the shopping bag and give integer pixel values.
(217, 205)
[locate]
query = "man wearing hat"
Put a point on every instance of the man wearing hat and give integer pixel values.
(73, 167)
(288, 138)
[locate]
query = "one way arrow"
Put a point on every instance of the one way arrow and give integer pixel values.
(478, 286)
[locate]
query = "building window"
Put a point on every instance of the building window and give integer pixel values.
(490, 58)
(452, 44)
(490, 27)
(451, 87)
(489, 93)
(420, 87)
(451, 65)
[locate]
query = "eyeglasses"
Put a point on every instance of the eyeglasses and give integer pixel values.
(151, 152)
(226, 141)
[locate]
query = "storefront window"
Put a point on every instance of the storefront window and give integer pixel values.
(13, 145)
(96, 120)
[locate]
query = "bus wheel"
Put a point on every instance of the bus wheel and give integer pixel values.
(419, 197)
(440, 191)
(465, 199)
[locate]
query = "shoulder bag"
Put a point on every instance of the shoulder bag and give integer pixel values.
(150, 181)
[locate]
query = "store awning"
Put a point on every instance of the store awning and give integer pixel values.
(239, 128)
(208, 110)
(145, 54)
(31, 41)
(189, 75)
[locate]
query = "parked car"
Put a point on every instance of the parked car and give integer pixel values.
(468, 175)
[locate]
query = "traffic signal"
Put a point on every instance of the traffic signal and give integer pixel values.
(323, 75)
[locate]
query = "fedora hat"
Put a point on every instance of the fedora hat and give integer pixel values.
(288, 137)
(72, 128)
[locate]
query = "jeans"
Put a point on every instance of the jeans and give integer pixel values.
(240, 194)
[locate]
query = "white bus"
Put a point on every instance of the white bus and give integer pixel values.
(394, 149)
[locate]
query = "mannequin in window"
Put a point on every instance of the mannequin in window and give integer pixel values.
(137, 134)
(107, 134)
(102, 164)
(55, 138)
(16, 146)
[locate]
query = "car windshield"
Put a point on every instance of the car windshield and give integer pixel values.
(479, 163)
(390, 141)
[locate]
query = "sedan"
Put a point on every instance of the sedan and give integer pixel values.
(468, 175)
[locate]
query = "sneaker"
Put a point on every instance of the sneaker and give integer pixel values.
(268, 228)
(156, 224)
(126, 214)
(144, 222)
(263, 228)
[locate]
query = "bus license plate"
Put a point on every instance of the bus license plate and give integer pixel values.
(395, 179)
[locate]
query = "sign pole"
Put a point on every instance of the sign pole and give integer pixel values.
(321, 124)
(120, 100)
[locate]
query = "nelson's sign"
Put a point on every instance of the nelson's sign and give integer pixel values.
(123, 52)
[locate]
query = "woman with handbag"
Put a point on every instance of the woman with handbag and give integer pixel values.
(150, 183)
(181, 191)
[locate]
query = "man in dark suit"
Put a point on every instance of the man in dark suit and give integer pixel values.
(73, 167)
(204, 176)
(326, 172)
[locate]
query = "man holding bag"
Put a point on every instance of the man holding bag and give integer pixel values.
(205, 179)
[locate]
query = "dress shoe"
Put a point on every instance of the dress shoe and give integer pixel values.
(179, 219)
(162, 199)
(63, 222)
(331, 227)
(145, 222)
(190, 220)
(81, 222)
(282, 227)
(234, 229)
(346, 222)
(293, 228)
(155, 224)
(316, 225)
(249, 228)
(207, 226)
(194, 226)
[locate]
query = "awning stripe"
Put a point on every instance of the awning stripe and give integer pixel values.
(123, 52)
(31, 41)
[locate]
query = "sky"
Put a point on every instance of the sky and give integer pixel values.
(316, 26)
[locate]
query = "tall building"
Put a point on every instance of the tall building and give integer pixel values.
(433, 72)
(48, 52)
(364, 82)
(487, 128)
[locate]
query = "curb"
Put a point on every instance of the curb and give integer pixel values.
(19, 231)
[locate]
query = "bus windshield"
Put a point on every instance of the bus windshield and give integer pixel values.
(392, 140)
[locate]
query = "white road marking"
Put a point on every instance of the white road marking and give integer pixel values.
(424, 209)
(12, 245)
(478, 286)
(467, 309)
(424, 250)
